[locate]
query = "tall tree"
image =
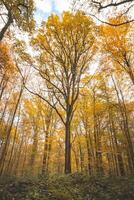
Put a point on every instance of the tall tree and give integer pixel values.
(66, 47)
(118, 48)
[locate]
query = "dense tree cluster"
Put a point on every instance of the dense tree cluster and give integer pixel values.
(67, 105)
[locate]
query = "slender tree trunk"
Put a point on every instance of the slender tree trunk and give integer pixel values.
(3, 86)
(125, 127)
(4, 152)
(13, 145)
(44, 163)
(47, 145)
(95, 134)
(81, 155)
(76, 159)
(129, 69)
(110, 155)
(5, 107)
(49, 153)
(24, 160)
(88, 150)
(34, 146)
(99, 148)
(118, 158)
(18, 156)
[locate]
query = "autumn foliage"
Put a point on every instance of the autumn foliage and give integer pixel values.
(67, 101)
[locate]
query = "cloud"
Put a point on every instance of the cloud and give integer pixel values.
(49, 6)
(44, 5)
(61, 5)
(44, 8)
(40, 16)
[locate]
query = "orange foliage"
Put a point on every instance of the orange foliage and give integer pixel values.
(6, 62)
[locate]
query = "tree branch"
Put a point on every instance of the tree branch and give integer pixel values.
(101, 7)
(110, 24)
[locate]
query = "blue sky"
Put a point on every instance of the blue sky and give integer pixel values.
(45, 7)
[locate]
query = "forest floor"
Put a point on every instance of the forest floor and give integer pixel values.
(69, 187)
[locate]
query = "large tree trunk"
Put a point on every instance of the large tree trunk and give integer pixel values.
(6, 26)
(67, 147)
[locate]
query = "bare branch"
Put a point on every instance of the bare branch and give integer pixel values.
(110, 24)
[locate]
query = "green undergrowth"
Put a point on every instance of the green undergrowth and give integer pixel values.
(67, 187)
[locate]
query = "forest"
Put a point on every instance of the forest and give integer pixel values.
(67, 100)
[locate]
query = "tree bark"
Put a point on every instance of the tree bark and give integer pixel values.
(67, 148)
(9, 22)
